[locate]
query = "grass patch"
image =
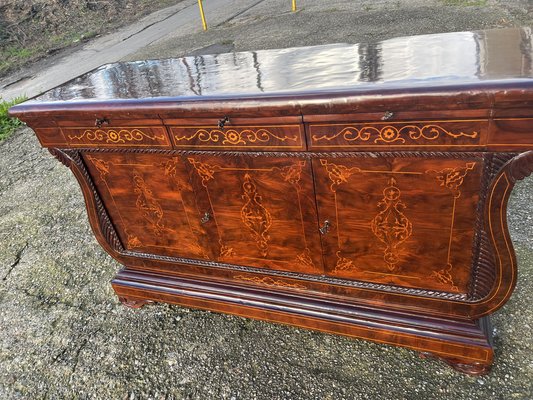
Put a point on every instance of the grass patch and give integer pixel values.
(14, 55)
(8, 124)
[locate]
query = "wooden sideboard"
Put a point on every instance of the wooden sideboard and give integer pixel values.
(353, 189)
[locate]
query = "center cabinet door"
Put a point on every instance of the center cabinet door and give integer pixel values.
(259, 211)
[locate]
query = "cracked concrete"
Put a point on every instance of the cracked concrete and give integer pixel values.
(18, 256)
(64, 335)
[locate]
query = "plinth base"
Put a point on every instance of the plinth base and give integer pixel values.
(463, 344)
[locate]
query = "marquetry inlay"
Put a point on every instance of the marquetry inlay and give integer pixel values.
(391, 226)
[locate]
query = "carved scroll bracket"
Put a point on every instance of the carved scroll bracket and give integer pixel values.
(520, 167)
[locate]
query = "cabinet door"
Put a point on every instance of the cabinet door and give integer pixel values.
(399, 221)
(150, 202)
(262, 211)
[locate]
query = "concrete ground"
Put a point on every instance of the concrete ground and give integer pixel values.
(64, 335)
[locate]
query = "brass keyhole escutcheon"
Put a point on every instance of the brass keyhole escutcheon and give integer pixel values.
(222, 122)
(205, 218)
(325, 228)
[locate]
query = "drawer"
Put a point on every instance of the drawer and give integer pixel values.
(239, 137)
(406, 134)
(50, 137)
(116, 136)
(511, 134)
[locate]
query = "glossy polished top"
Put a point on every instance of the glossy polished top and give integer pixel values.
(463, 58)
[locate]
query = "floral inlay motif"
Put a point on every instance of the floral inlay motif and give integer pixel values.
(444, 276)
(101, 165)
(338, 173)
(235, 137)
(391, 226)
(452, 178)
(115, 136)
(304, 258)
(343, 264)
(225, 251)
(146, 202)
(254, 216)
(206, 171)
(133, 242)
(293, 173)
(268, 281)
(392, 134)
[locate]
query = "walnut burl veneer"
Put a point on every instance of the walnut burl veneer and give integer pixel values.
(352, 189)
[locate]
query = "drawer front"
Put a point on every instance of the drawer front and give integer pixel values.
(50, 137)
(117, 136)
(410, 134)
(511, 134)
(268, 137)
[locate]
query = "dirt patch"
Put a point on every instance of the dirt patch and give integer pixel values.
(30, 30)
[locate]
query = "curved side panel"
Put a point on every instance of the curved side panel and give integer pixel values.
(498, 249)
(98, 218)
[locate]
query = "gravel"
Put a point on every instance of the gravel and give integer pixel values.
(64, 335)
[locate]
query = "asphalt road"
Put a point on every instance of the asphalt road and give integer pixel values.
(63, 334)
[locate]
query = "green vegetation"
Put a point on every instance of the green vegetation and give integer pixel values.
(32, 30)
(8, 124)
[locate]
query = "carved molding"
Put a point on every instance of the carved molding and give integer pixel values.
(483, 272)
(520, 166)
(293, 154)
(306, 277)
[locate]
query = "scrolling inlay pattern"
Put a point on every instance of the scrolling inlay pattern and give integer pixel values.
(305, 259)
(133, 241)
(338, 173)
(268, 281)
(254, 216)
(235, 137)
(101, 165)
(146, 202)
(391, 226)
(391, 134)
(115, 135)
(293, 173)
(452, 178)
(206, 171)
(225, 251)
(444, 276)
(343, 264)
